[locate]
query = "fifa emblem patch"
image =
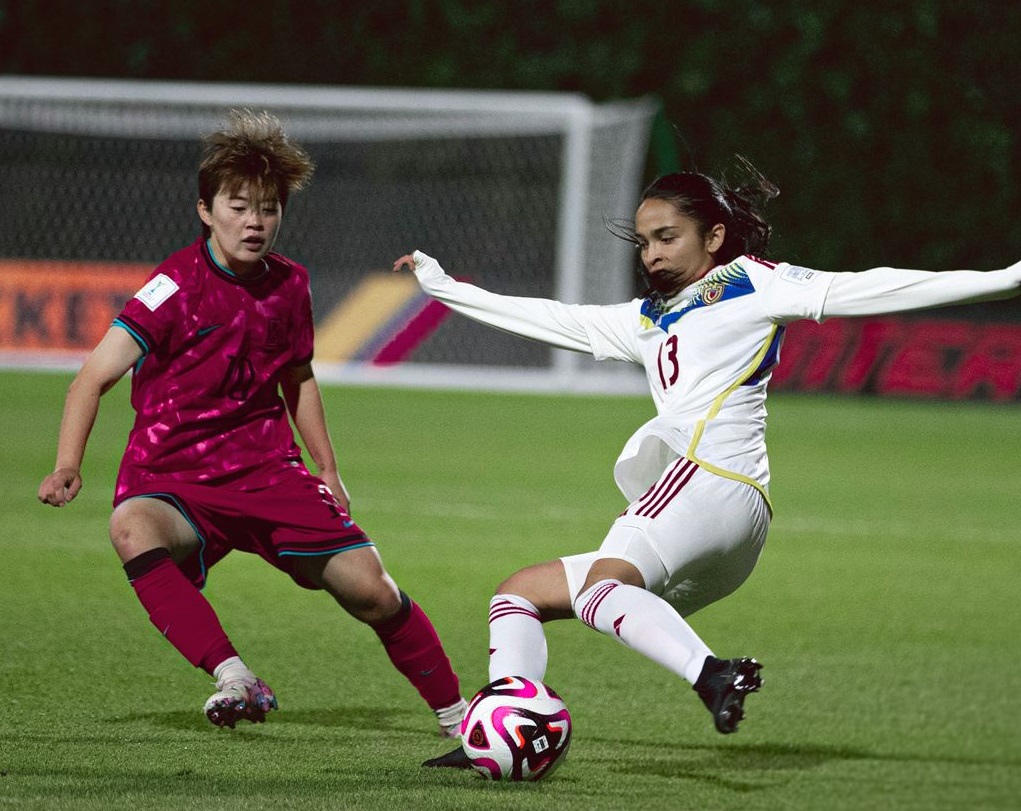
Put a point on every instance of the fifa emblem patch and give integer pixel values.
(540, 744)
(712, 293)
(156, 291)
(798, 275)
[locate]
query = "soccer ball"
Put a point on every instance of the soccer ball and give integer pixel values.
(516, 729)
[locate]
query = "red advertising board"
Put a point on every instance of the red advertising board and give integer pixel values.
(903, 356)
(54, 309)
(50, 306)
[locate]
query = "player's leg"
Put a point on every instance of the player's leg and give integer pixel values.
(699, 544)
(615, 601)
(517, 644)
(615, 604)
(358, 581)
(152, 538)
(522, 603)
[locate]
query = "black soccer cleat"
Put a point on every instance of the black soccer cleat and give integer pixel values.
(723, 685)
(455, 759)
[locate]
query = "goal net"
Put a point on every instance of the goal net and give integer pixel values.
(510, 190)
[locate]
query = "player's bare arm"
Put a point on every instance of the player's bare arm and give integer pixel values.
(107, 364)
(305, 404)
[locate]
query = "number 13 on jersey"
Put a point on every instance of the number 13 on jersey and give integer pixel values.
(669, 368)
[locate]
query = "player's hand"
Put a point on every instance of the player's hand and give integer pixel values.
(406, 261)
(337, 489)
(344, 500)
(60, 487)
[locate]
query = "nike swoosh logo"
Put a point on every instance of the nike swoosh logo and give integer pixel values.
(207, 330)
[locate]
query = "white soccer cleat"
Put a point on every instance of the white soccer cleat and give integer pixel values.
(239, 700)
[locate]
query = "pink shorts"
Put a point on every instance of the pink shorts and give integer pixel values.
(296, 517)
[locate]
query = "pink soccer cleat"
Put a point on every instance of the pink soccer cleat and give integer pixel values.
(239, 700)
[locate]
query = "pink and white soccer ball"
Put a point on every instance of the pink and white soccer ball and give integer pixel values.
(516, 729)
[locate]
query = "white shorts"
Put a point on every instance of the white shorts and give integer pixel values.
(694, 536)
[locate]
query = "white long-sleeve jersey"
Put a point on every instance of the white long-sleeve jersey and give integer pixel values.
(709, 352)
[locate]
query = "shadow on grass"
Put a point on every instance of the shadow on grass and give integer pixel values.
(742, 767)
(735, 767)
(355, 719)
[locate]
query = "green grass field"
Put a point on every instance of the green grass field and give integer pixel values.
(885, 610)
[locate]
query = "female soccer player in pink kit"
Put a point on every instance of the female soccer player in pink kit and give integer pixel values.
(220, 342)
(708, 332)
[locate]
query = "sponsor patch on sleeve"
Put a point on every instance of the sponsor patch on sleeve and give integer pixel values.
(798, 275)
(158, 289)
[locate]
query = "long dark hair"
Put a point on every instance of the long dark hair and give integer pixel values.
(709, 201)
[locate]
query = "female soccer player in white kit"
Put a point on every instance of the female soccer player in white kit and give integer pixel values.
(708, 332)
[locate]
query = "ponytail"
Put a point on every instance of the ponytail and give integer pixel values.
(709, 201)
(747, 230)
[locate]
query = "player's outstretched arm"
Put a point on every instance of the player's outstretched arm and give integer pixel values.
(551, 322)
(884, 290)
(107, 364)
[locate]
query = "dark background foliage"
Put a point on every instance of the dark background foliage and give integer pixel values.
(891, 127)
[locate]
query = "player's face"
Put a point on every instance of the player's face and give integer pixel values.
(673, 250)
(243, 227)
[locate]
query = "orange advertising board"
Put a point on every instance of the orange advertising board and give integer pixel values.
(52, 306)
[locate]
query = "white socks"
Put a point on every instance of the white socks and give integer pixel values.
(450, 719)
(638, 618)
(645, 623)
(517, 644)
(232, 669)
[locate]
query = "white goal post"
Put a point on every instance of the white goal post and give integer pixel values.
(510, 189)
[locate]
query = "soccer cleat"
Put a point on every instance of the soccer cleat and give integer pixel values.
(723, 685)
(455, 759)
(239, 700)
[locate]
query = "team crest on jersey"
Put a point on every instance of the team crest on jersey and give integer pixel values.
(728, 282)
(712, 293)
(275, 333)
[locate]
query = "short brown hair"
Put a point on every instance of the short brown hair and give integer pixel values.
(254, 149)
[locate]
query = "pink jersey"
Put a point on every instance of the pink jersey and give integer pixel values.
(206, 390)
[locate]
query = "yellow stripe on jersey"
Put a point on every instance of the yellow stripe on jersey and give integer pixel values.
(715, 409)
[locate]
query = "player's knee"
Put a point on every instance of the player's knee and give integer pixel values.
(370, 598)
(511, 585)
(544, 586)
(524, 583)
(130, 532)
(613, 569)
(140, 524)
(376, 605)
